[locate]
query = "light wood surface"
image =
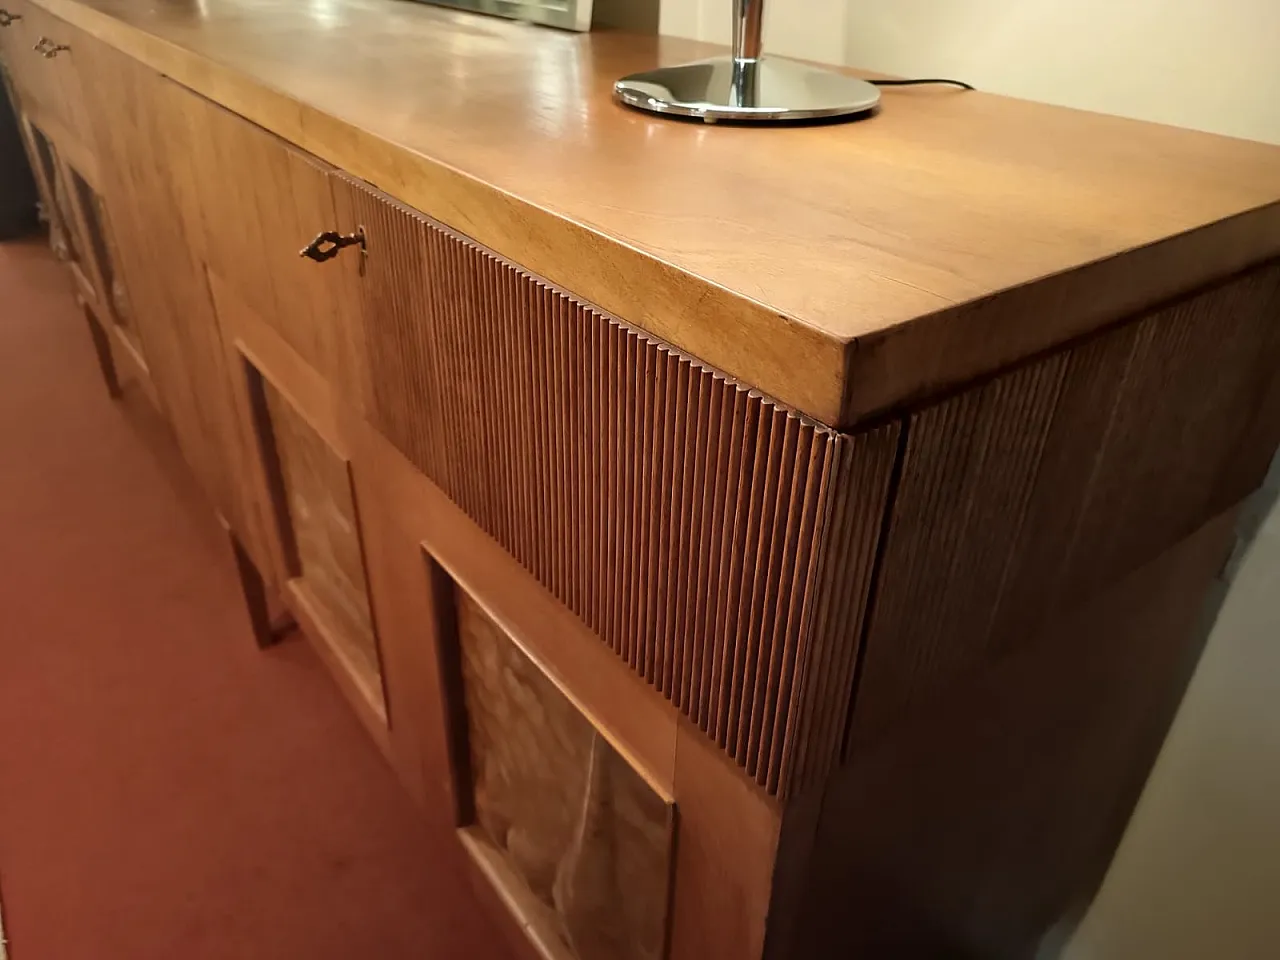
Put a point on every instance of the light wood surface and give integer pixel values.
(1051, 537)
(841, 269)
(728, 828)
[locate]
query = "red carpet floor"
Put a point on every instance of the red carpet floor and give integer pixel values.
(167, 790)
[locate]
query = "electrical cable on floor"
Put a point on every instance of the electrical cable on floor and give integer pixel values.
(919, 83)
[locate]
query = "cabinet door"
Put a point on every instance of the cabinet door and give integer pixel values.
(295, 442)
(575, 839)
(62, 80)
(18, 36)
(261, 201)
(145, 166)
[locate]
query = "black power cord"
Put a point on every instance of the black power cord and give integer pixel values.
(919, 83)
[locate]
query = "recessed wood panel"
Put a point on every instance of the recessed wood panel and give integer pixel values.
(583, 839)
(311, 495)
(690, 522)
(1042, 486)
(988, 817)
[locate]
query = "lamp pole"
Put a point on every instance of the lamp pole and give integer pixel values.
(748, 29)
(747, 86)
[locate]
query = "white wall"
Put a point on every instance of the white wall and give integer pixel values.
(1208, 64)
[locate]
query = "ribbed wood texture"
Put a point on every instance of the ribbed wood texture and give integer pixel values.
(692, 524)
(1036, 489)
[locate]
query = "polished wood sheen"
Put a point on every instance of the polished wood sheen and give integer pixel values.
(728, 828)
(742, 542)
(318, 522)
(840, 269)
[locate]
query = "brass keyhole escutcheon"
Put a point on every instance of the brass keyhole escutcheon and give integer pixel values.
(330, 243)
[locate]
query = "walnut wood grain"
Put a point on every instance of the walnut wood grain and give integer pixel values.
(577, 826)
(987, 817)
(693, 525)
(841, 269)
(1033, 491)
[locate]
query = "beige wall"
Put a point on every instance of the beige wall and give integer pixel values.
(1209, 64)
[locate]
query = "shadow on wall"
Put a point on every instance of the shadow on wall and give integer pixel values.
(1197, 871)
(1255, 514)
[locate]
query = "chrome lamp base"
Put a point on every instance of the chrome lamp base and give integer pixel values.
(768, 89)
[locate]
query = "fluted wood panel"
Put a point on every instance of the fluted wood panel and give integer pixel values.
(1036, 489)
(688, 521)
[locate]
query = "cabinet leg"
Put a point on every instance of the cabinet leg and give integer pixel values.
(266, 630)
(102, 346)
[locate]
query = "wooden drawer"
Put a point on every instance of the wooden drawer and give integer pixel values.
(297, 479)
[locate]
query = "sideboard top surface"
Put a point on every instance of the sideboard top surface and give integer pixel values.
(842, 269)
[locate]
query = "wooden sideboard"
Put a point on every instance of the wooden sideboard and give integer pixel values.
(751, 543)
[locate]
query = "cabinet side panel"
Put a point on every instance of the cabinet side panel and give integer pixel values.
(988, 816)
(1040, 487)
(1053, 537)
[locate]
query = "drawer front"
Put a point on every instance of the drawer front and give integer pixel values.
(689, 522)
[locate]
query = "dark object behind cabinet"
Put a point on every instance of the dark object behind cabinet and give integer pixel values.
(18, 205)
